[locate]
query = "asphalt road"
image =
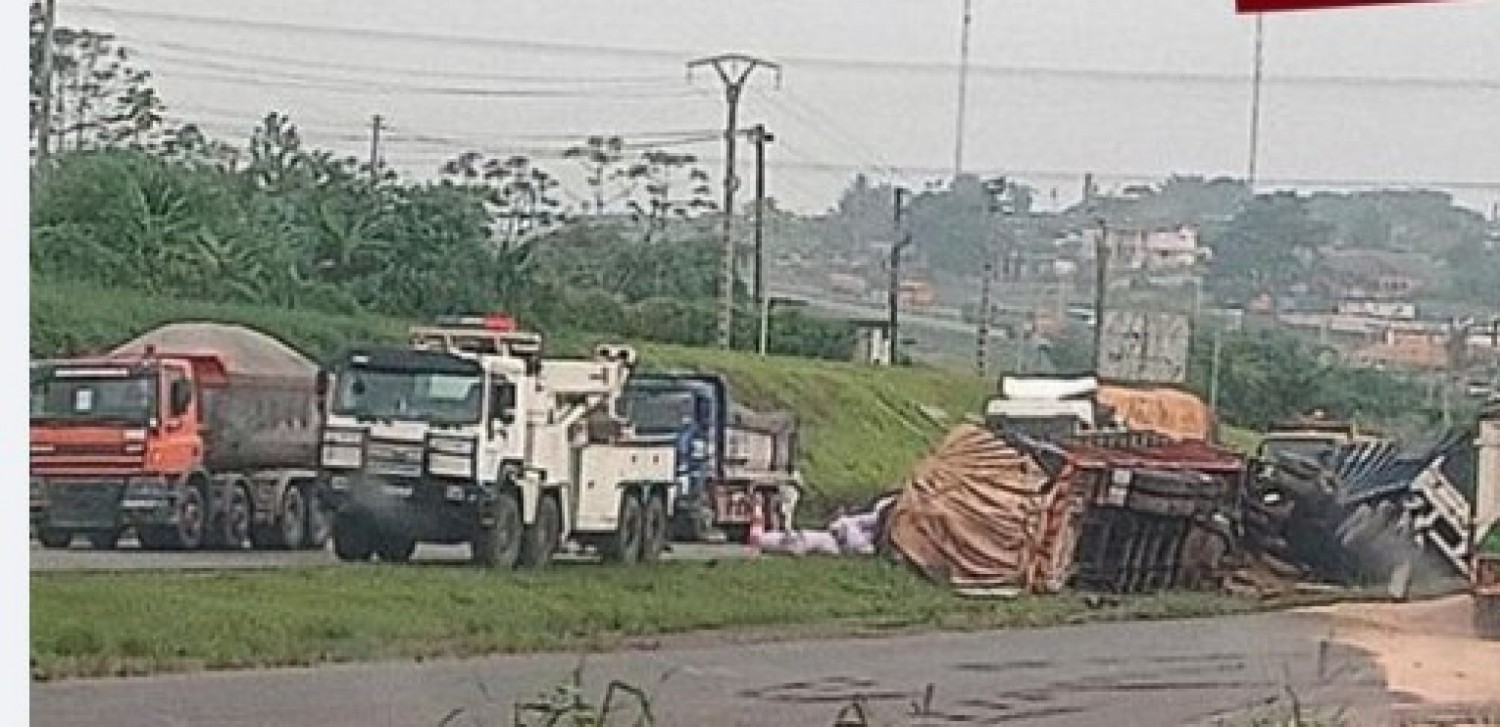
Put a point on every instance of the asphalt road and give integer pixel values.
(1156, 674)
(129, 557)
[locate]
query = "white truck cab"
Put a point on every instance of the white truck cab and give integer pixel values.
(468, 435)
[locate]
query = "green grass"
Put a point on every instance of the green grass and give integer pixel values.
(137, 623)
(862, 426)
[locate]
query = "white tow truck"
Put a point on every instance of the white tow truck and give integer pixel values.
(469, 435)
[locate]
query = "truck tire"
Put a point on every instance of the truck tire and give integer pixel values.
(291, 519)
(540, 542)
(1487, 617)
(105, 539)
(499, 545)
(353, 541)
(624, 545)
(395, 549)
(54, 538)
(232, 526)
(191, 525)
(653, 529)
(319, 521)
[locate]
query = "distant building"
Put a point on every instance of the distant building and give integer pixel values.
(1153, 249)
(1375, 274)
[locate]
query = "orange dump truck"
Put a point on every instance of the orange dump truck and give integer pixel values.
(191, 435)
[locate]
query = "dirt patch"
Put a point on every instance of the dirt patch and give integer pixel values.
(1427, 649)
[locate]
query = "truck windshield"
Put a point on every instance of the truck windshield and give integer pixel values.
(93, 395)
(657, 412)
(436, 398)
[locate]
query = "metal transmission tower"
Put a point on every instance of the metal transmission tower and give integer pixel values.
(734, 70)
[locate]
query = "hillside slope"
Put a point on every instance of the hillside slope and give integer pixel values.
(862, 427)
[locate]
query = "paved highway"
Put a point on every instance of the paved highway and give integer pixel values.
(1162, 673)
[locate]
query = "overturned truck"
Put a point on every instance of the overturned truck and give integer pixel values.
(997, 512)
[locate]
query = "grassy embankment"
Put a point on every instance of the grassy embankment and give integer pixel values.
(137, 623)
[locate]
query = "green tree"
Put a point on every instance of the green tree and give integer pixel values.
(1266, 247)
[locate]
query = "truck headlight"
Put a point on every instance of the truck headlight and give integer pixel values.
(342, 456)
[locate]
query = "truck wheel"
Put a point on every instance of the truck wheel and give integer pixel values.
(499, 546)
(654, 529)
(540, 543)
(234, 522)
(319, 522)
(191, 521)
(55, 538)
(395, 549)
(291, 519)
(352, 540)
(624, 546)
(105, 539)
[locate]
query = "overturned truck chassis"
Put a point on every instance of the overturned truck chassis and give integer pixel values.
(1116, 513)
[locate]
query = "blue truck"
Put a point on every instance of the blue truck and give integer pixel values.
(729, 457)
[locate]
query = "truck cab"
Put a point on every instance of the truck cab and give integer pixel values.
(467, 435)
(730, 458)
(1314, 438)
(108, 437)
(192, 435)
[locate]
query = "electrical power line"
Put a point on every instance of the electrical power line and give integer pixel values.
(865, 66)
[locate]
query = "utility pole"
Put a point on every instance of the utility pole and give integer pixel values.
(1251, 167)
(963, 90)
(760, 137)
(1101, 288)
(1213, 372)
(893, 294)
(376, 124)
(982, 326)
(44, 125)
(733, 70)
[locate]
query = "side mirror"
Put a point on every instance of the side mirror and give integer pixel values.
(180, 396)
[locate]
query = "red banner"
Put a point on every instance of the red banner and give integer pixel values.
(1282, 6)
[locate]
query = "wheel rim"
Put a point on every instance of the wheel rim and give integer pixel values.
(293, 515)
(239, 519)
(190, 517)
(630, 528)
(655, 526)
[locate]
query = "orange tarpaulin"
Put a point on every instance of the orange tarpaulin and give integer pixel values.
(1176, 414)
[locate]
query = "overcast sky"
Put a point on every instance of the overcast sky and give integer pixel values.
(1059, 87)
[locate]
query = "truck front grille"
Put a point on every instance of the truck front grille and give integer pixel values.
(394, 459)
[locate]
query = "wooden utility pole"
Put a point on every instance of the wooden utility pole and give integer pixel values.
(376, 124)
(44, 125)
(1101, 288)
(893, 294)
(733, 70)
